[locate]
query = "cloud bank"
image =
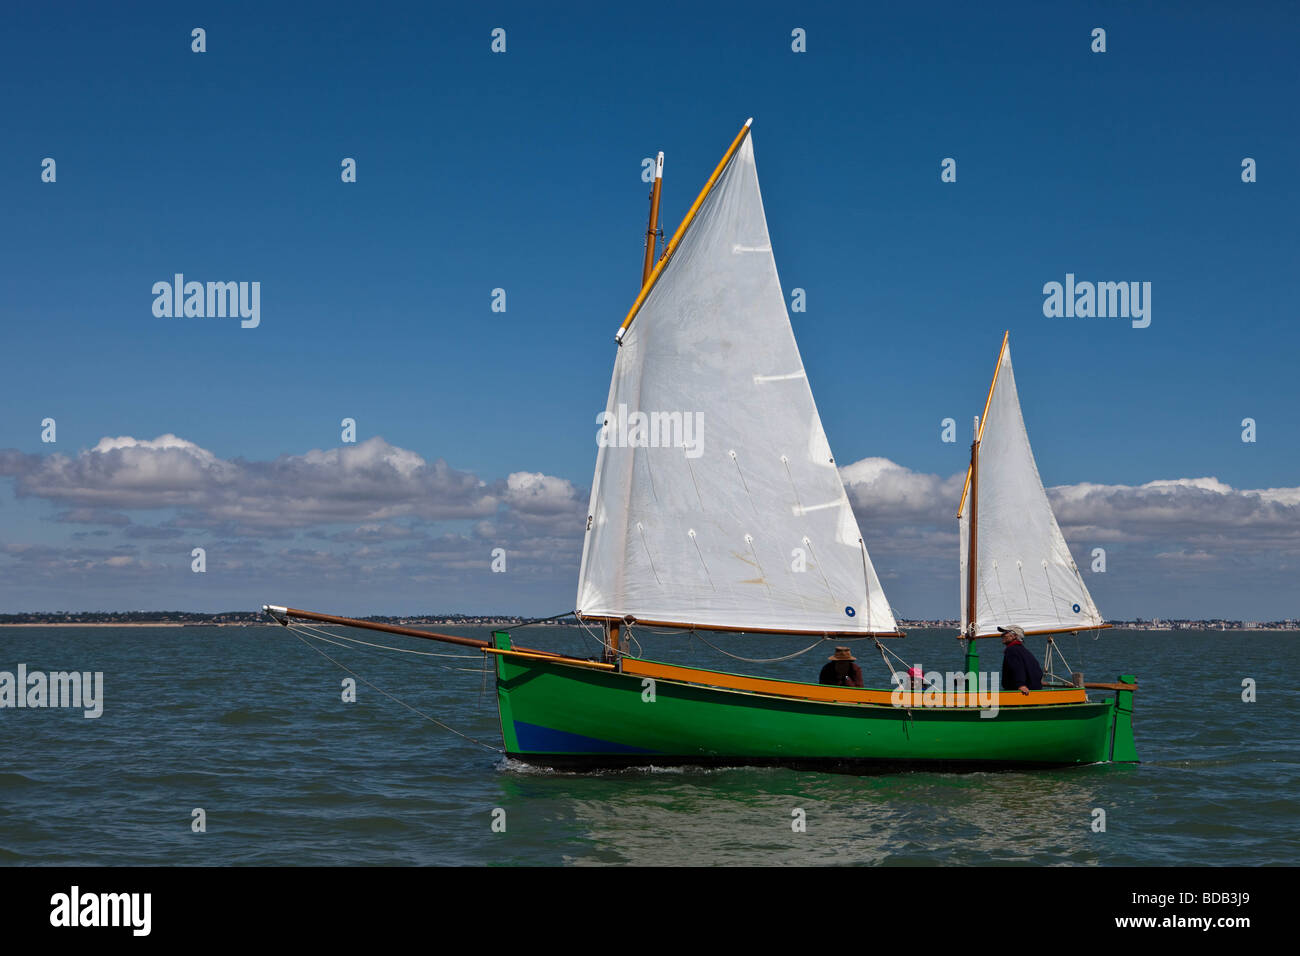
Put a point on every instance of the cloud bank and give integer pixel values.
(374, 518)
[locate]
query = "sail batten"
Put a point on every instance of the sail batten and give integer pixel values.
(1024, 572)
(716, 501)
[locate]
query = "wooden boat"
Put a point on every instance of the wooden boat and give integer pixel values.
(748, 529)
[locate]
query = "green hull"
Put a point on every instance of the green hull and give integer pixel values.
(576, 717)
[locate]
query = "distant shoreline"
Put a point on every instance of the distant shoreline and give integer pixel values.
(222, 624)
(136, 624)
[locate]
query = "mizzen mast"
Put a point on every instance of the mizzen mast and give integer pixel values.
(972, 488)
(1019, 571)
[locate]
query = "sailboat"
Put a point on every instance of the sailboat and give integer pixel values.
(717, 505)
(1016, 569)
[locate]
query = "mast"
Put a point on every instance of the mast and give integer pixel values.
(979, 432)
(613, 637)
(972, 555)
(652, 229)
(972, 664)
(973, 534)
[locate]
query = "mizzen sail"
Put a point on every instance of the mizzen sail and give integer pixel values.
(716, 499)
(1024, 572)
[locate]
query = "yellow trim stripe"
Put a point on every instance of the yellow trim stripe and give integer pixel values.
(553, 658)
(828, 692)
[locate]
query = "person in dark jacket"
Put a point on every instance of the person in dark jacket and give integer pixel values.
(841, 670)
(1020, 669)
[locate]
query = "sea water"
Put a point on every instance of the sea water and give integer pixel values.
(229, 745)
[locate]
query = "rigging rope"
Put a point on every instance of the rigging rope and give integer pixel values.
(543, 620)
(323, 634)
(1052, 645)
(754, 660)
(883, 651)
(627, 629)
(587, 631)
(413, 710)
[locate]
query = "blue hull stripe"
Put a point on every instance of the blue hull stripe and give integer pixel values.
(543, 740)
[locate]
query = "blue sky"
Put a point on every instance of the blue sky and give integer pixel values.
(522, 171)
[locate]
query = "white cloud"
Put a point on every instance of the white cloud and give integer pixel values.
(373, 515)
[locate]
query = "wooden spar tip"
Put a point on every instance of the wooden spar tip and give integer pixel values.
(652, 228)
(284, 614)
(979, 435)
(681, 230)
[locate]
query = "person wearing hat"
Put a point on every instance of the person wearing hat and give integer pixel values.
(841, 670)
(1020, 669)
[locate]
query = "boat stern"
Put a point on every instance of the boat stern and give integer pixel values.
(1122, 747)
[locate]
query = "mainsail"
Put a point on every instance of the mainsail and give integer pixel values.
(1024, 572)
(716, 500)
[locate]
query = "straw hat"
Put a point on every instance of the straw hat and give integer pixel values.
(842, 654)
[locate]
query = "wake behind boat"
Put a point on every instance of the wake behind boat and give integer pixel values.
(748, 528)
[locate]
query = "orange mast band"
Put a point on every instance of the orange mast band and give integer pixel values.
(681, 230)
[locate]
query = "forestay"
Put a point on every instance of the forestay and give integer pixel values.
(716, 499)
(1025, 574)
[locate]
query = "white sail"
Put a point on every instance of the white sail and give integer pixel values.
(1025, 574)
(726, 509)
